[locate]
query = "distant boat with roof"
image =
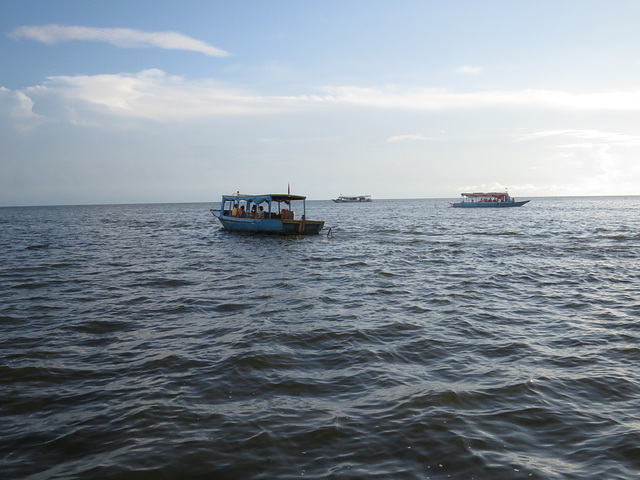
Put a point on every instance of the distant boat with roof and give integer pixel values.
(358, 199)
(268, 213)
(488, 200)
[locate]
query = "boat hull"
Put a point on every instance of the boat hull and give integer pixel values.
(489, 204)
(274, 226)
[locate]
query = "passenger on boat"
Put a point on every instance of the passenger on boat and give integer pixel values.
(261, 213)
(242, 213)
(234, 212)
(253, 212)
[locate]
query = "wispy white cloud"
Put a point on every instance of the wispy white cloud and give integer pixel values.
(468, 69)
(152, 94)
(441, 99)
(590, 137)
(409, 137)
(121, 37)
(598, 161)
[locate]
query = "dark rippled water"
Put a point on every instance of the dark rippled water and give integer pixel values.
(419, 341)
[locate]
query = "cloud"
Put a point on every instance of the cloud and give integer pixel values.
(469, 70)
(16, 108)
(16, 104)
(598, 161)
(591, 137)
(150, 94)
(410, 137)
(121, 37)
(153, 94)
(441, 99)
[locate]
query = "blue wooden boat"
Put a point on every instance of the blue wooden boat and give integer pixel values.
(269, 213)
(488, 200)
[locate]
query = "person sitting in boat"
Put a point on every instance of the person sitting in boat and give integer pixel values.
(242, 213)
(253, 212)
(234, 212)
(261, 213)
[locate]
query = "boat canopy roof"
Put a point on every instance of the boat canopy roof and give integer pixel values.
(267, 197)
(485, 195)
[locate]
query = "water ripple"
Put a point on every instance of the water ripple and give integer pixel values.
(142, 341)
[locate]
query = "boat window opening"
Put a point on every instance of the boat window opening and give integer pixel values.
(266, 208)
(229, 206)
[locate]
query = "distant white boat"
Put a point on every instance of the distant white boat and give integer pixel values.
(358, 199)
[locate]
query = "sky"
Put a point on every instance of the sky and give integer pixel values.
(153, 101)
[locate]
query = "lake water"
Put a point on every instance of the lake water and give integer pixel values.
(416, 342)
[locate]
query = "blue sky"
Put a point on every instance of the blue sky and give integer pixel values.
(155, 101)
